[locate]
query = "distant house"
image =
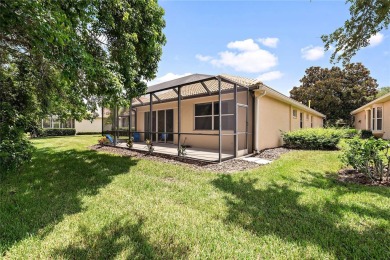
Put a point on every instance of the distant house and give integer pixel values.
(216, 117)
(84, 126)
(372, 116)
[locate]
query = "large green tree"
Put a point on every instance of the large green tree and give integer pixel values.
(336, 92)
(368, 17)
(66, 57)
(383, 91)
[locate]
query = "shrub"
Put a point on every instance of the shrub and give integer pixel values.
(57, 132)
(349, 132)
(89, 133)
(370, 157)
(13, 153)
(130, 142)
(103, 141)
(149, 144)
(366, 134)
(313, 138)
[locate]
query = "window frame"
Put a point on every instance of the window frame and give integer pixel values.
(375, 118)
(213, 115)
(295, 115)
(301, 120)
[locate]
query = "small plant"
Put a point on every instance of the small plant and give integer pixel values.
(130, 142)
(182, 149)
(103, 141)
(365, 134)
(149, 144)
(370, 157)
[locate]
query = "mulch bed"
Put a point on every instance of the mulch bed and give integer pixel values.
(352, 176)
(272, 154)
(229, 166)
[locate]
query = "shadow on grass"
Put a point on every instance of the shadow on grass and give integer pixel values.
(118, 239)
(278, 210)
(52, 186)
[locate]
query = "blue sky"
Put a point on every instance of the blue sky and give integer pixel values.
(274, 41)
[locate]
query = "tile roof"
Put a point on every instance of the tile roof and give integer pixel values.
(165, 90)
(196, 84)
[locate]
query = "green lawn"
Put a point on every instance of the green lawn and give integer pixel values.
(71, 202)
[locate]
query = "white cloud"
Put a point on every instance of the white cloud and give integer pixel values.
(272, 75)
(312, 52)
(167, 77)
(269, 42)
(202, 57)
(376, 39)
(245, 56)
(246, 45)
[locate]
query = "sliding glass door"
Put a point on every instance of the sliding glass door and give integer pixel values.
(162, 125)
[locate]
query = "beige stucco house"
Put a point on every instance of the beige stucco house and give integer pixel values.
(372, 116)
(185, 111)
(83, 126)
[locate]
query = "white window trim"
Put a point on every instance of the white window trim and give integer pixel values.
(374, 119)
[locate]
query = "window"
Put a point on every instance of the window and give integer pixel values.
(301, 120)
(46, 122)
(294, 113)
(207, 115)
(377, 118)
(311, 121)
(56, 122)
(204, 116)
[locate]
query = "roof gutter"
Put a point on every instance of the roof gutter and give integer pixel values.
(258, 94)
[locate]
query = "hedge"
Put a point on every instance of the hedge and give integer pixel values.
(58, 132)
(90, 133)
(314, 138)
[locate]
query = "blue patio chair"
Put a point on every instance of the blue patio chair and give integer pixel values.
(137, 137)
(109, 137)
(163, 137)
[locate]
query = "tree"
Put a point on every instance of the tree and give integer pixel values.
(383, 91)
(368, 17)
(336, 92)
(66, 57)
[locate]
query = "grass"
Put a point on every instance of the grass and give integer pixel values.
(71, 202)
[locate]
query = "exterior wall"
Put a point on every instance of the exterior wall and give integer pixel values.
(87, 126)
(360, 120)
(188, 122)
(386, 120)
(276, 117)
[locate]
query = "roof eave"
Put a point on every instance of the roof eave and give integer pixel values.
(280, 96)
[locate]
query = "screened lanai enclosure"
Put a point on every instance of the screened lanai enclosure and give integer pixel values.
(211, 116)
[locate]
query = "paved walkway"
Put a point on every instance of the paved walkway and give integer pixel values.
(256, 160)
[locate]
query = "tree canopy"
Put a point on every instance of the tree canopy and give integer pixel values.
(368, 17)
(336, 92)
(383, 91)
(66, 57)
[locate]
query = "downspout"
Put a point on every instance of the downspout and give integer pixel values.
(258, 94)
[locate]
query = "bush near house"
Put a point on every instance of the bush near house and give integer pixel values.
(348, 132)
(370, 157)
(314, 138)
(57, 132)
(366, 134)
(90, 133)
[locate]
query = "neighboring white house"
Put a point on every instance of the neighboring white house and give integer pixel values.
(84, 126)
